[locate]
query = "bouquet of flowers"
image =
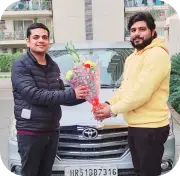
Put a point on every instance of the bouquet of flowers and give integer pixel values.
(85, 72)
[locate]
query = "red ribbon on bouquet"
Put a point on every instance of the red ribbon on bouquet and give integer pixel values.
(87, 65)
(96, 105)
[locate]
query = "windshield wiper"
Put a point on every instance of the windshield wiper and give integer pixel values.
(108, 86)
(102, 86)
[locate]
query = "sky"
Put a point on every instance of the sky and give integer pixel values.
(5, 3)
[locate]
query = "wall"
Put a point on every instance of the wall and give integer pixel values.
(174, 36)
(108, 20)
(68, 20)
(9, 25)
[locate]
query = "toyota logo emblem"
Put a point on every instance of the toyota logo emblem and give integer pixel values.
(90, 133)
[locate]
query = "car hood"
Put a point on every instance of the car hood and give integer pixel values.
(82, 115)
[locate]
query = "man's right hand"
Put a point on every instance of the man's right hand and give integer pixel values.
(105, 105)
(102, 105)
(81, 92)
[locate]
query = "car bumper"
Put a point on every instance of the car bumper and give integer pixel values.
(124, 164)
(129, 172)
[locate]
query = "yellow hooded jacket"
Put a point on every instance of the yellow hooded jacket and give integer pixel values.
(144, 91)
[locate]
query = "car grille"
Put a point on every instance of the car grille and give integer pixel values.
(109, 143)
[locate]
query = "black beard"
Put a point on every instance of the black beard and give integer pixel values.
(143, 44)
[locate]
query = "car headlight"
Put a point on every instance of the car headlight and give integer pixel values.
(13, 131)
(170, 124)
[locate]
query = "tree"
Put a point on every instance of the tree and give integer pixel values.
(174, 98)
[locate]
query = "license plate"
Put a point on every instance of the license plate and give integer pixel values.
(91, 171)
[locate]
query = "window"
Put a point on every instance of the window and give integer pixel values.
(22, 25)
(16, 50)
(126, 32)
(20, 28)
(160, 31)
(130, 3)
(2, 25)
(2, 22)
(127, 21)
(47, 22)
(4, 50)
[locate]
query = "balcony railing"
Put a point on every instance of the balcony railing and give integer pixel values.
(18, 35)
(142, 3)
(28, 5)
(12, 36)
(171, 11)
(163, 12)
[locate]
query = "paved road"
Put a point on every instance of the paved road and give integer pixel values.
(6, 111)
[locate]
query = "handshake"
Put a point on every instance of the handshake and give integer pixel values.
(101, 112)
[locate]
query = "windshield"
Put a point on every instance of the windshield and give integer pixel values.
(112, 63)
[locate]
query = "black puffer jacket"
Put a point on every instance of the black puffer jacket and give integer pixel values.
(38, 93)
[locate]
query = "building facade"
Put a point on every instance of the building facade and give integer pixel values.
(16, 19)
(80, 20)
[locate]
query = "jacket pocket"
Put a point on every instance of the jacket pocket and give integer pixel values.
(41, 113)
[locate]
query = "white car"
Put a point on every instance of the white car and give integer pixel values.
(88, 147)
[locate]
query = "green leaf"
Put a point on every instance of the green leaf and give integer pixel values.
(6, 61)
(72, 51)
(174, 97)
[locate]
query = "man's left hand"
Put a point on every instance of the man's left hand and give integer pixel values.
(103, 113)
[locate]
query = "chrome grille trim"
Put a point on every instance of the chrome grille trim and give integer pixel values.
(92, 153)
(104, 136)
(97, 145)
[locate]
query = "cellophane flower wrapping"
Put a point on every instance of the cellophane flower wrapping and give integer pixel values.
(85, 72)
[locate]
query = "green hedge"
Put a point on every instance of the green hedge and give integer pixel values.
(174, 98)
(6, 61)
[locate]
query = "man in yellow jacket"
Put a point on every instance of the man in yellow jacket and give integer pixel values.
(142, 96)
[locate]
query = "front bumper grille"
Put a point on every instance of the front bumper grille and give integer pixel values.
(109, 143)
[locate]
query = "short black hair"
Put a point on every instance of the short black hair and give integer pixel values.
(35, 26)
(142, 16)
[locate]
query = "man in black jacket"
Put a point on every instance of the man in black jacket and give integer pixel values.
(38, 93)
